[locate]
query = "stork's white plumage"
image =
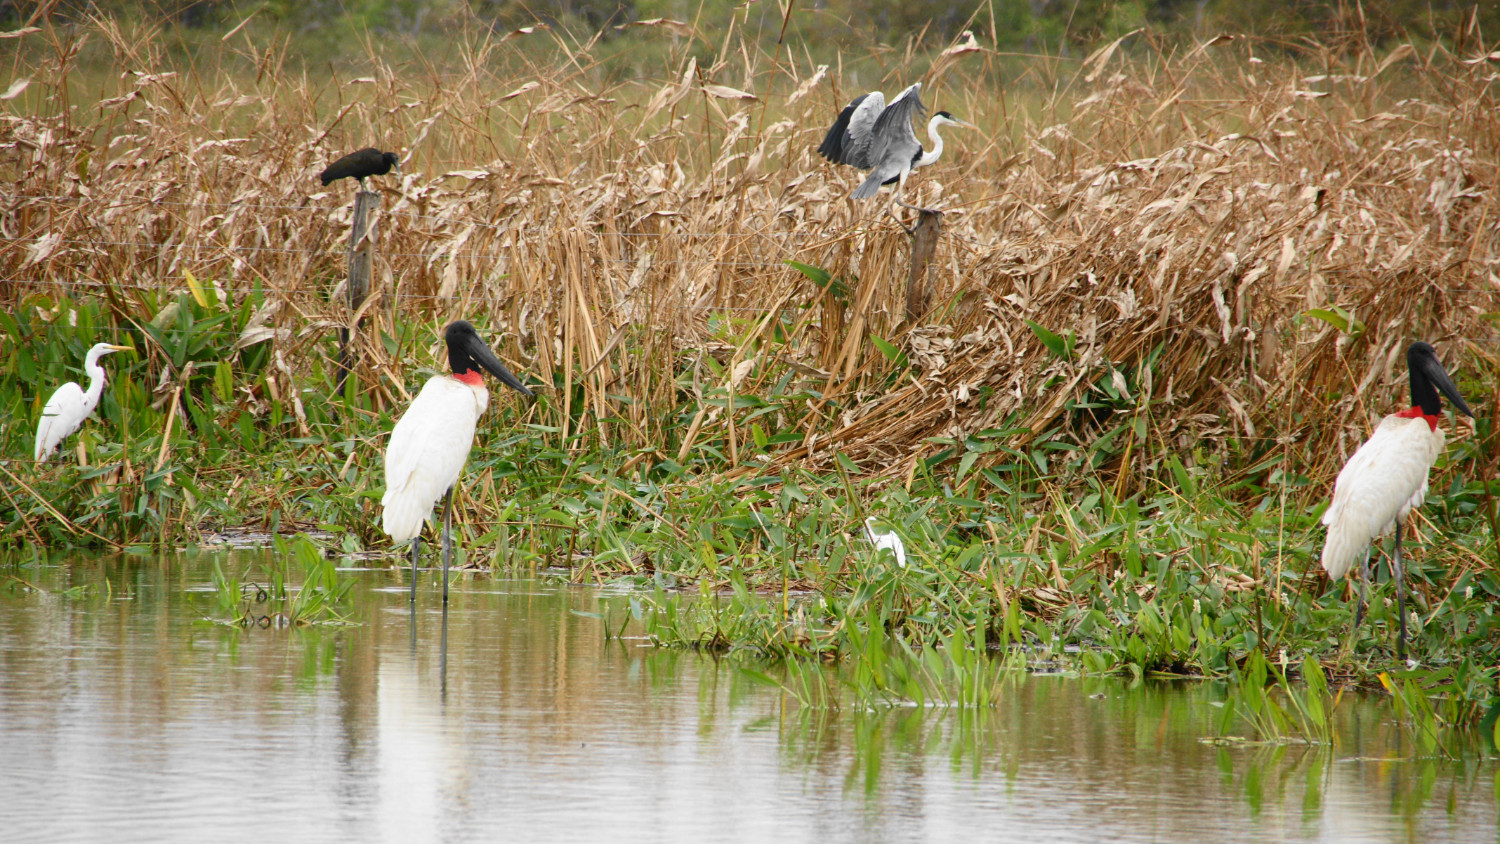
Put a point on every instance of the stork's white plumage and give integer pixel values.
(431, 443)
(1387, 478)
(885, 540)
(70, 404)
(1384, 481)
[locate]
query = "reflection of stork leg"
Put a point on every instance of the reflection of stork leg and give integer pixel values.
(416, 545)
(447, 538)
(1399, 575)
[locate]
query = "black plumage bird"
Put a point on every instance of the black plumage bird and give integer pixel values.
(366, 162)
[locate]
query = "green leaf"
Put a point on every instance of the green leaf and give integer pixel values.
(1339, 318)
(1060, 347)
(892, 354)
(822, 278)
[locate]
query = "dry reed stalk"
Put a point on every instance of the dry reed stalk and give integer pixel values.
(1195, 202)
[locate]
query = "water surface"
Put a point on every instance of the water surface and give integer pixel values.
(129, 712)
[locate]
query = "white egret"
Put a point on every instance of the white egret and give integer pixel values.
(71, 404)
(1387, 478)
(885, 540)
(871, 135)
(431, 442)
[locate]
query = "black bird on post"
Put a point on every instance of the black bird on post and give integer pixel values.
(366, 162)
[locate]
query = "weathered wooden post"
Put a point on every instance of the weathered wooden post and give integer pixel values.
(924, 239)
(361, 261)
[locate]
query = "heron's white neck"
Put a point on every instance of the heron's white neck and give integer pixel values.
(932, 155)
(95, 372)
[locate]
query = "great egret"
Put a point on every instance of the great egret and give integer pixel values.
(885, 540)
(871, 135)
(1387, 478)
(71, 404)
(366, 162)
(431, 442)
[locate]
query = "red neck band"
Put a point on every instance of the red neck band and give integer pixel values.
(472, 378)
(1416, 413)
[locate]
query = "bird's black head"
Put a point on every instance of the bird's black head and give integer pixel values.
(945, 114)
(468, 353)
(1428, 378)
(391, 160)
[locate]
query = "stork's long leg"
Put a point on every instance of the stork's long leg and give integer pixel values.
(447, 538)
(416, 545)
(1364, 589)
(1399, 575)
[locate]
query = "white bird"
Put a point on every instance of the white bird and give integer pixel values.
(885, 540)
(871, 135)
(1387, 478)
(71, 404)
(431, 443)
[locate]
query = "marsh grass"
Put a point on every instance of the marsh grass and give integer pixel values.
(1171, 299)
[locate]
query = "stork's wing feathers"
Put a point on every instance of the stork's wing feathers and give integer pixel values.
(61, 416)
(1381, 483)
(426, 454)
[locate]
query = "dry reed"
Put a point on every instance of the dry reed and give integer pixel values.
(1201, 201)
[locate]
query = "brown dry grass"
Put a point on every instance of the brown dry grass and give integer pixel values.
(1199, 201)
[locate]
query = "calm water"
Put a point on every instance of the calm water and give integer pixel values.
(127, 714)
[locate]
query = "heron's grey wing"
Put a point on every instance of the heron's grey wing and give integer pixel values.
(833, 147)
(894, 141)
(859, 141)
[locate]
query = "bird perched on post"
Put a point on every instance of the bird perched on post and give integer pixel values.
(871, 135)
(431, 442)
(366, 162)
(70, 404)
(1387, 478)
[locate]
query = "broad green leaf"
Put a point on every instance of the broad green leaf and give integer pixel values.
(1060, 347)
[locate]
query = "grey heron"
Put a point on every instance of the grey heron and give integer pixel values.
(360, 164)
(70, 404)
(1387, 478)
(871, 135)
(431, 442)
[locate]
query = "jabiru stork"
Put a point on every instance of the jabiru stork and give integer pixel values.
(1387, 478)
(70, 404)
(431, 442)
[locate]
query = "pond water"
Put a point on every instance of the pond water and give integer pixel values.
(127, 713)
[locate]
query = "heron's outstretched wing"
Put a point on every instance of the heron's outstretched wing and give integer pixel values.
(833, 147)
(858, 142)
(62, 415)
(894, 141)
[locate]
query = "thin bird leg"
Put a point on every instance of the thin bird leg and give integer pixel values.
(1400, 576)
(416, 545)
(1364, 589)
(447, 538)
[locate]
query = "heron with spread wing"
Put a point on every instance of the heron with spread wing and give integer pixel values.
(871, 135)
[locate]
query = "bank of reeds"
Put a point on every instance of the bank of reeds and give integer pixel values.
(1173, 290)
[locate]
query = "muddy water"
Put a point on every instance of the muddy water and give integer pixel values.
(128, 714)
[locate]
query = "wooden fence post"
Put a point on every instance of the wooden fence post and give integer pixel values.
(924, 239)
(361, 261)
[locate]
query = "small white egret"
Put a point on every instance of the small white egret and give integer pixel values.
(871, 135)
(71, 404)
(1387, 478)
(431, 443)
(885, 540)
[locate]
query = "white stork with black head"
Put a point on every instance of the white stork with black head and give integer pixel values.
(1387, 478)
(431, 442)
